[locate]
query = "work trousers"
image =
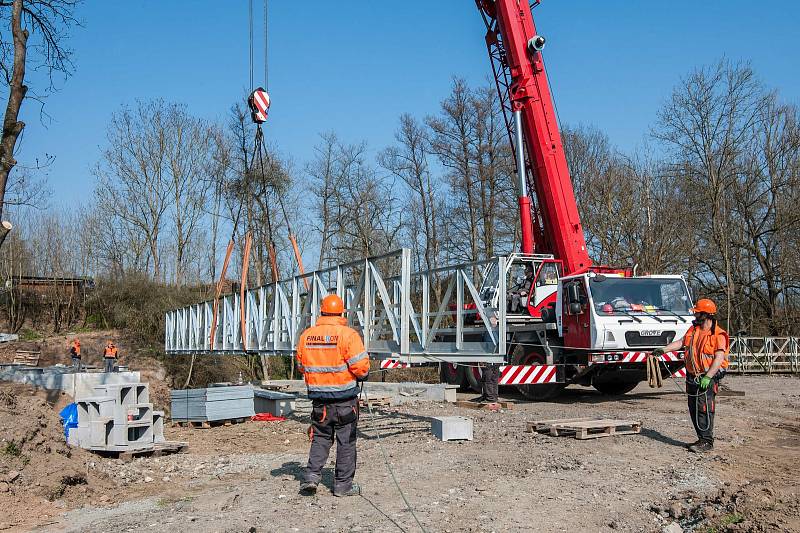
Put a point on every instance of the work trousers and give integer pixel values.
(339, 419)
(702, 405)
(491, 382)
(110, 363)
(76, 364)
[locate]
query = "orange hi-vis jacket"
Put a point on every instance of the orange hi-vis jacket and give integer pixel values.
(700, 347)
(110, 352)
(331, 357)
(76, 348)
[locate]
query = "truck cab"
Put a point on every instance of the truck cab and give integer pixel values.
(615, 312)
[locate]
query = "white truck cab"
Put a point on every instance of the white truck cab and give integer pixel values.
(613, 312)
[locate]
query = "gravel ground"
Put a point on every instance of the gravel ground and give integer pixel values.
(245, 477)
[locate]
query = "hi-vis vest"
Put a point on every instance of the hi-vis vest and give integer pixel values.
(700, 347)
(110, 352)
(331, 356)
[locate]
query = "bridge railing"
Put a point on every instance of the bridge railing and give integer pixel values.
(411, 316)
(764, 355)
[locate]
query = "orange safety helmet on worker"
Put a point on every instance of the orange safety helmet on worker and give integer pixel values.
(701, 345)
(331, 355)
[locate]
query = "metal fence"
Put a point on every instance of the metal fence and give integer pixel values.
(434, 315)
(764, 355)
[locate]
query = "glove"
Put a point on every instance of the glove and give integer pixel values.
(705, 381)
(658, 352)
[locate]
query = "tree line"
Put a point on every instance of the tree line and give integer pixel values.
(712, 195)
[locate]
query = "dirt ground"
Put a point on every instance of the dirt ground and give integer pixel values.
(245, 477)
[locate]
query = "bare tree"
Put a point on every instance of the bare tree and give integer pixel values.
(408, 161)
(708, 124)
(48, 22)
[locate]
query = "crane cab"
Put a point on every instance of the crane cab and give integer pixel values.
(531, 282)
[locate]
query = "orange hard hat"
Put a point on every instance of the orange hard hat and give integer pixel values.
(704, 305)
(332, 305)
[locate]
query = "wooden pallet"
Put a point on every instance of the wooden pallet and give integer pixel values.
(206, 424)
(382, 401)
(158, 449)
(26, 358)
(477, 405)
(585, 428)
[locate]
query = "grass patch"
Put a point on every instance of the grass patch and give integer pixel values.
(12, 449)
(734, 518)
(26, 334)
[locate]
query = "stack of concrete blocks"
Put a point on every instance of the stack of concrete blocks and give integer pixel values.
(228, 402)
(118, 417)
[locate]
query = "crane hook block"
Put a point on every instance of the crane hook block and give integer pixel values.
(258, 101)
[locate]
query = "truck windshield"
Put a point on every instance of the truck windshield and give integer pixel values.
(639, 296)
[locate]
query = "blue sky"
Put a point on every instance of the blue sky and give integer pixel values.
(355, 66)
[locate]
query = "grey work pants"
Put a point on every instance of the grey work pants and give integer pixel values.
(702, 406)
(491, 382)
(110, 364)
(76, 364)
(329, 420)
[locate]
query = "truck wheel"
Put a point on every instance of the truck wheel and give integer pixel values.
(474, 377)
(525, 355)
(613, 388)
(451, 374)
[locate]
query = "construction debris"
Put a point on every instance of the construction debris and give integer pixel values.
(585, 428)
(26, 358)
(478, 405)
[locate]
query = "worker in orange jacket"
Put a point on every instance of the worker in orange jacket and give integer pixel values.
(706, 347)
(333, 360)
(110, 355)
(75, 353)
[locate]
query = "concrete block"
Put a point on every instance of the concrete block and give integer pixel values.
(450, 393)
(99, 432)
(158, 426)
(452, 427)
(277, 407)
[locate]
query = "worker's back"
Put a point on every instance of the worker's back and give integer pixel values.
(331, 356)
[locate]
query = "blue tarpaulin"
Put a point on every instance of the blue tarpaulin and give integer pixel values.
(69, 418)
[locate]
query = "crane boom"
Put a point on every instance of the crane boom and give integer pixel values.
(553, 224)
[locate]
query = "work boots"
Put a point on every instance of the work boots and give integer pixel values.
(701, 446)
(308, 488)
(355, 490)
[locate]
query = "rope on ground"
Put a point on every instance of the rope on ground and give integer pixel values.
(388, 464)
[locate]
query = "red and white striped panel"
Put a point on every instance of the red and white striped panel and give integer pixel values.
(391, 363)
(672, 356)
(527, 374)
(681, 373)
(259, 104)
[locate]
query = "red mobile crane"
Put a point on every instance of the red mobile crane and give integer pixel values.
(601, 314)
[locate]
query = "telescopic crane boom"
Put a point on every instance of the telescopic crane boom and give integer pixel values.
(551, 225)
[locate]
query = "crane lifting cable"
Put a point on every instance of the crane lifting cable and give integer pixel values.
(259, 102)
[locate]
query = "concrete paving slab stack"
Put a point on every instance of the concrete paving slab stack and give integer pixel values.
(117, 417)
(227, 403)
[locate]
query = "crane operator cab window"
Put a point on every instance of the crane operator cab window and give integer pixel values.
(520, 285)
